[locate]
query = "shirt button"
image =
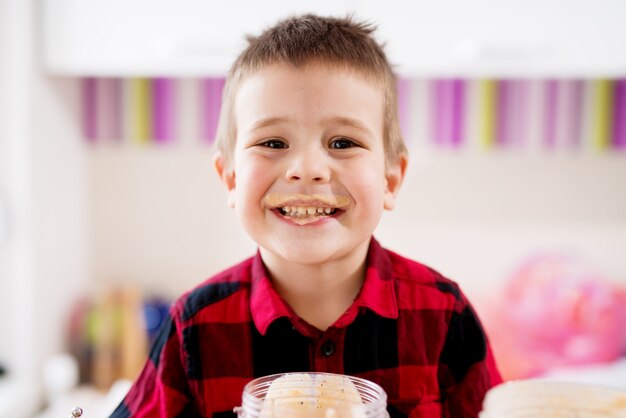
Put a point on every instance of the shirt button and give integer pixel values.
(328, 349)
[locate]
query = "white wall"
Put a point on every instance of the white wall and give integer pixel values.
(61, 241)
(17, 322)
(44, 263)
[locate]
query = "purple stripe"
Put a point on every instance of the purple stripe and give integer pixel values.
(619, 115)
(90, 129)
(404, 86)
(439, 109)
(457, 120)
(430, 108)
(551, 94)
(162, 106)
(502, 111)
(212, 100)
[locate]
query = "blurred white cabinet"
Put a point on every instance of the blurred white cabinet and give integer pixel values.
(425, 38)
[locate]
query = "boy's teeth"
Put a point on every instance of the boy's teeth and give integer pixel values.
(301, 212)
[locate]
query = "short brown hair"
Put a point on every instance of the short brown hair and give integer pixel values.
(305, 39)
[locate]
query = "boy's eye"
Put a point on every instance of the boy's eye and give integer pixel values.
(342, 143)
(273, 144)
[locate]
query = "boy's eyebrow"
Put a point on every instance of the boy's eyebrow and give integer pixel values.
(353, 123)
(339, 120)
(267, 122)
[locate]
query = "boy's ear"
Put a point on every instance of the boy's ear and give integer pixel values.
(227, 175)
(393, 178)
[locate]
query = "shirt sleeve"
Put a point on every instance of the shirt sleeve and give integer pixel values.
(467, 366)
(162, 389)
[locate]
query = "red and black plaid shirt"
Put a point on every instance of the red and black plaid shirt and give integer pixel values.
(410, 330)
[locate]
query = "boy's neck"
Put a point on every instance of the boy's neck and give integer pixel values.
(319, 294)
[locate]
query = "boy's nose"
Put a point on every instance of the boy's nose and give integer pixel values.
(308, 166)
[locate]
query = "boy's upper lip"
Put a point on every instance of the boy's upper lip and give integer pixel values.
(274, 200)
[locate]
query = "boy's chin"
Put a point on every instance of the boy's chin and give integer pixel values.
(304, 255)
(313, 253)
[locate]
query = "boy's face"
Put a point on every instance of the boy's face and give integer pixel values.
(308, 180)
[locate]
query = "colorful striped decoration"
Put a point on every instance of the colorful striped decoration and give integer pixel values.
(90, 109)
(145, 110)
(141, 108)
(550, 115)
(448, 111)
(489, 112)
(619, 115)
(551, 102)
(520, 112)
(571, 103)
(603, 115)
(211, 102)
(163, 94)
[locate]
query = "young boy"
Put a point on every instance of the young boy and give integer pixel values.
(311, 154)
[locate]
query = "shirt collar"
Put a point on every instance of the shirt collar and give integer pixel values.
(377, 292)
(266, 305)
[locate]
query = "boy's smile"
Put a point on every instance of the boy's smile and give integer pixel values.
(308, 180)
(305, 209)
